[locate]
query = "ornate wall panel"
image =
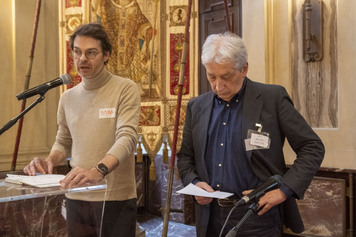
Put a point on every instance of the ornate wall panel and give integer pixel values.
(315, 84)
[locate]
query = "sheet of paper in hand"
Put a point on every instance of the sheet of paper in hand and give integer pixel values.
(194, 190)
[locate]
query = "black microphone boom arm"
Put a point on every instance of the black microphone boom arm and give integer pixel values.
(43, 88)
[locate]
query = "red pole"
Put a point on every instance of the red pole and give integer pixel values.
(227, 15)
(27, 82)
(176, 122)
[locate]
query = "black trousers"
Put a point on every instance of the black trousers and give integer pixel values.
(84, 218)
(266, 225)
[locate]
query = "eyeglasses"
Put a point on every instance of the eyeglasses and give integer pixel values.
(89, 54)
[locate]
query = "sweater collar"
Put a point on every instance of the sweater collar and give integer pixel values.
(97, 81)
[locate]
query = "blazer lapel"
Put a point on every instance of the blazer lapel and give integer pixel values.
(204, 115)
(252, 107)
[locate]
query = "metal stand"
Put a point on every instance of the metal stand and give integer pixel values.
(252, 208)
(14, 120)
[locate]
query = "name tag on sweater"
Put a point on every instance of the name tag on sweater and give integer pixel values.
(107, 113)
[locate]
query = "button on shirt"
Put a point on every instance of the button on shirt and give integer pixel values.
(226, 161)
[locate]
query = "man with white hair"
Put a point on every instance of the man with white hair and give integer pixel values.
(233, 141)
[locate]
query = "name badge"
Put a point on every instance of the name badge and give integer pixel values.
(107, 113)
(257, 139)
(260, 140)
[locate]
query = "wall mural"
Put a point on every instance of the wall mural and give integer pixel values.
(147, 39)
(131, 34)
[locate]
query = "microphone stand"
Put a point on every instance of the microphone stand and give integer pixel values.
(252, 208)
(14, 120)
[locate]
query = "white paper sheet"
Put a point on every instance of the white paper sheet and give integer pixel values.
(192, 189)
(40, 181)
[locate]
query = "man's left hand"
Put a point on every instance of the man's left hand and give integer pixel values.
(269, 200)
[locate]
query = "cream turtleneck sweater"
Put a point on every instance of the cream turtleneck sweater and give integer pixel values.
(100, 116)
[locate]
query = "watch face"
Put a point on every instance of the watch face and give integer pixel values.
(103, 168)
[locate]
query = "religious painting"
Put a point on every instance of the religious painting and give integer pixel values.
(132, 30)
(76, 79)
(73, 3)
(72, 22)
(176, 46)
(150, 115)
(171, 115)
(178, 15)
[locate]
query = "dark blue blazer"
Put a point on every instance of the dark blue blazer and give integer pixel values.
(271, 106)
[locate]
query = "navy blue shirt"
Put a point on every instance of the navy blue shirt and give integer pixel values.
(225, 157)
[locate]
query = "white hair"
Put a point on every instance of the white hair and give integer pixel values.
(224, 48)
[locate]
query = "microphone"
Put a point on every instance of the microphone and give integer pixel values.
(272, 183)
(43, 88)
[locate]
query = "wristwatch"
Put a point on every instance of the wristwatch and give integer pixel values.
(103, 169)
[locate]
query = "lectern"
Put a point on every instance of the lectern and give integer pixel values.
(30, 211)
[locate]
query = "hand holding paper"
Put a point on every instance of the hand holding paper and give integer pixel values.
(194, 190)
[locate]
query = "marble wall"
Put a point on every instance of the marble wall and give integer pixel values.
(315, 84)
(33, 217)
(323, 208)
